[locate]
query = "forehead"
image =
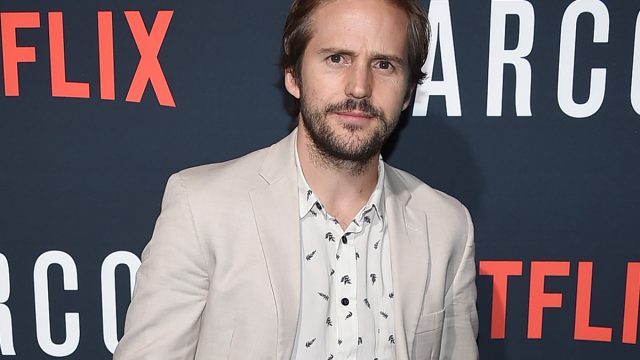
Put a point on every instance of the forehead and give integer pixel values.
(373, 25)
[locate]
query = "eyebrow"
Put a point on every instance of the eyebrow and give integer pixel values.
(377, 56)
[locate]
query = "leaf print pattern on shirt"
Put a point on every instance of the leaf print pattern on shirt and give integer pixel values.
(392, 339)
(310, 255)
(358, 272)
(310, 342)
(391, 295)
(384, 314)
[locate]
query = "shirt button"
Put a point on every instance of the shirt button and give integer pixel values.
(345, 301)
(344, 239)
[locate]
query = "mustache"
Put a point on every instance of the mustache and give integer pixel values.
(363, 105)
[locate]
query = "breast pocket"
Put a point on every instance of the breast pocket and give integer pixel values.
(426, 344)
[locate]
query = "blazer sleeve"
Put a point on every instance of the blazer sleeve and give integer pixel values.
(170, 293)
(461, 317)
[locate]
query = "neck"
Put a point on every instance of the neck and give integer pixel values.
(344, 187)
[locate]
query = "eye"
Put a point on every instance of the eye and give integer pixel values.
(335, 58)
(385, 65)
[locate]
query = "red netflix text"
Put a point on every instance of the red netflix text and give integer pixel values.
(501, 271)
(148, 43)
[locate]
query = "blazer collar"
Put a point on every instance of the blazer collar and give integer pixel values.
(410, 259)
(280, 162)
(275, 208)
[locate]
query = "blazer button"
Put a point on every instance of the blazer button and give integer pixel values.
(344, 239)
(345, 301)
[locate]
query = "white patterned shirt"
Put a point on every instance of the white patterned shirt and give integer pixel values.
(347, 293)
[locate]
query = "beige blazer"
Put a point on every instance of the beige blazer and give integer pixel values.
(220, 278)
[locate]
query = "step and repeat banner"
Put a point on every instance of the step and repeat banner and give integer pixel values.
(530, 117)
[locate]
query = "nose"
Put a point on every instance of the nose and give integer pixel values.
(359, 81)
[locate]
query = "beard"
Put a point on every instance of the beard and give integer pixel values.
(354, 150)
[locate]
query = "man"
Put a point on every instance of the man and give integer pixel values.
(314, 248)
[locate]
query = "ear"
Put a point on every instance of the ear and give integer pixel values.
(407, 99)
(291, 84)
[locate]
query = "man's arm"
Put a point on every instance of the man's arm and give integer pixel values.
(461, 317)
(163, 320)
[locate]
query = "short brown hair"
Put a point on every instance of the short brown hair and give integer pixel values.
(297, 33)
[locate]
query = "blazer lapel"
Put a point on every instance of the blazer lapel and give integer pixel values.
(409, 260)
(275, 207)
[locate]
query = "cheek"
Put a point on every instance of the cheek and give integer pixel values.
(323, 83)
(327, 86)
(320, 95)
(392, 97)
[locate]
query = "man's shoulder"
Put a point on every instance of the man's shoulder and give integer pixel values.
(423, 195)
(240, 172)
(447, 219)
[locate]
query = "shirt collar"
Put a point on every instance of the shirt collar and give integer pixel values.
(308, 202)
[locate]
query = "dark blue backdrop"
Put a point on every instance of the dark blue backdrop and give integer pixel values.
(86, 176)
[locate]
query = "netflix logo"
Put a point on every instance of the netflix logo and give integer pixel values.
(502, 272)
(148, 40)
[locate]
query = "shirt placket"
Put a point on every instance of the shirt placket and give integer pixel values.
(346, 286)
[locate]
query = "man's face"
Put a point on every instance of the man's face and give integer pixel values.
(354, 77)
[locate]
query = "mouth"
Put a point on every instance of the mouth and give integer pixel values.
(354, 115)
